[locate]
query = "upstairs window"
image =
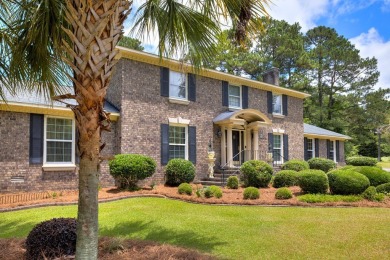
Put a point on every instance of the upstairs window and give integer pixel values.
(178, 85)
(277, 104)
(234, 96)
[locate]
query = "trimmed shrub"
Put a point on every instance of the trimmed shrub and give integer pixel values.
(52, 239)
(178, 171)
(296, 165)
(251, 193)
(185, 188)
(376, 175)
(232, 182)
(379, 197)
(383, 188)
(216, 191)
(128, 169)
(283, 194)
(313, 181)
(256, 173)
(285, 178)
(369, 193)
(323, 198)
(321, 164)
(346, 182)
(361, 161)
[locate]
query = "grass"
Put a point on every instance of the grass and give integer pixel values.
(233, 232)
(321, 198)
(384, 164)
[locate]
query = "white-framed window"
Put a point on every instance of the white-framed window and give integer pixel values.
(178, 86)
(310, 148)
(59, 141)
(277, 104)
(234, 96)
(178, 141)
(332, 151)
(278, 148)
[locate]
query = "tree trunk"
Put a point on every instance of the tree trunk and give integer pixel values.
(96, 29)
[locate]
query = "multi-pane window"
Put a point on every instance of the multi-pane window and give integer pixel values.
(234, 96)
(177, 85)
(331, 151)
(277, 149)
(177, 142)
(59, 140)
(310, 148)
(277, 104)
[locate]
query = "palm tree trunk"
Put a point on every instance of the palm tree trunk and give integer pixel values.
(96, 29)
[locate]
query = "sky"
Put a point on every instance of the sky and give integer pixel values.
(366, 23)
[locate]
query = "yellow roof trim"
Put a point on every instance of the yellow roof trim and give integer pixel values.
(330, 137)
(184, 67)
(41, 109)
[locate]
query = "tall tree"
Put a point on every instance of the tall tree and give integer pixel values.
(84, 34)
(130, 43)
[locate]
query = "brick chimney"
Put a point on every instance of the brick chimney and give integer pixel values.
(271, 76)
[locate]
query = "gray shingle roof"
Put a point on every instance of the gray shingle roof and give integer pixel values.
(315, 130)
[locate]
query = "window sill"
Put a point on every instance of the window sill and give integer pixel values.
(58, 167)
(179, 101)
(234, 108)
(278, 115)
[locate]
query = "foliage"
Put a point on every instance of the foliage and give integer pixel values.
(383, 188)
(178, 171)
(285, 178)
(321, 164)
(216, 191)
(361, 161)
(185, 188)
(296, 165)
(323, 198)
(52, 239)
(232, 182)
(369, 193)
(251, 193)
(344, 182)
(256, 173)
(283, 194)
(130, 43)
(313, 181)
(379, 197)
(376, 175)
(128, 169)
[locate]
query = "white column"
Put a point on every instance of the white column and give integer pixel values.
(229, 137)
(248, 149)
(256, 143)
(223, 146)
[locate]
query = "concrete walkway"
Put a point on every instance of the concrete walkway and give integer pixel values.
(386, 169)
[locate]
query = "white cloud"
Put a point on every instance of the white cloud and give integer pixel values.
(371, 44)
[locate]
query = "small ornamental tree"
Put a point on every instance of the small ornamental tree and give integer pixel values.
(128, 169)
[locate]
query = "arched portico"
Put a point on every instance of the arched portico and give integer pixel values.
(240, 135)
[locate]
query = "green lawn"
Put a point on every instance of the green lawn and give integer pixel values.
(233, 232)
(384, 164)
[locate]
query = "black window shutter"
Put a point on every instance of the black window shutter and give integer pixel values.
(317, 147)
(225, 93)
(269, 102)
(191, 87)
(337, 151)
(270, 142)
(285, 147)
(164, 81)
(192, 144)
(77, 154)
(306, 155)
(36, 138)
(328, 149)
(245, 101)
(284, 104)
(164, 144)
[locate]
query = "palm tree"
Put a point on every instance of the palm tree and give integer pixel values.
(84, 33)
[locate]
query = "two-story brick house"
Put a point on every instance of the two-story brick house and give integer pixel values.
(164, 109)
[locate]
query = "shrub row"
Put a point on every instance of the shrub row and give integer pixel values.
(361, 161)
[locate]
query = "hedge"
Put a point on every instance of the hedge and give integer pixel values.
(345, 182)
(321, 164)
(361, 161)
(376, 175)
(296, 165)
(285, 178)
(313, 181)
(178, 171)
(256, 173)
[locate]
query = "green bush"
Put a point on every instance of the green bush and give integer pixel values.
(251, 193)
(256, 173)
(376, 175)
(346, 182)
(383, 188)
(185, 188)
(379, 197)
(232, 182)
(313, 181)
(128, 169)
(323, 198)
(369, 193)
(296, 165)
(285, 178)
(178, 171)
(361, 161)
(216, 191)
(283, 194)
(321, 164)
